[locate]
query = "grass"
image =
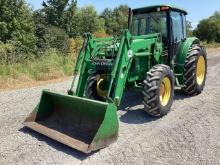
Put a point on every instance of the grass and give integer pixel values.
(211, 45)
(51, 66)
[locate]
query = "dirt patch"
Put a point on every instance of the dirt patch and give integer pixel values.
(213, 51)
(7, 84)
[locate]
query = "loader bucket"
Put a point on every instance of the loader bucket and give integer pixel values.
(83, 124)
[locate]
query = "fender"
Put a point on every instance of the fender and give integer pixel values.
(184, 48)
(181, 58)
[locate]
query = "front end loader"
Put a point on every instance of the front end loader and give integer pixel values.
(153, 54)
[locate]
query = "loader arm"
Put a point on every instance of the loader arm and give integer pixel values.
(144, 48)
(121, 69)
(147, 47)
(84, 60)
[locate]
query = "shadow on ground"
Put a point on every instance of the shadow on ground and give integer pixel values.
(131, 115)
(58, 146)
(134, 115)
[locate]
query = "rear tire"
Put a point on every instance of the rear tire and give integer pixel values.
(158, 90)
(195, 70)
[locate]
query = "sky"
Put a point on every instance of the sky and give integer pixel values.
(197, 9)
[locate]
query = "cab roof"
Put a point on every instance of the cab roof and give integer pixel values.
(155, 8)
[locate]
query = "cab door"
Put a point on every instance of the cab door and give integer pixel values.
(178, 33)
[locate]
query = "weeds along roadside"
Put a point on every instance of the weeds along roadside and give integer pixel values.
(17, 68)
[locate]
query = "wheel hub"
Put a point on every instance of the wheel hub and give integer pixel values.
(200, 70)
(165, 91)
(100, 86)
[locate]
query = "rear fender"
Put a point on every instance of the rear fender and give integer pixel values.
(181, 58)
(184, 48)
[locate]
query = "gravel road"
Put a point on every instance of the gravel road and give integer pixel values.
(189, 134)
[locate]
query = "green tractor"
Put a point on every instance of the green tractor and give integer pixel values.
(153, 54)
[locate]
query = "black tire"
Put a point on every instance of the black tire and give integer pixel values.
(191, 85)
(91, 90)
(152, 89)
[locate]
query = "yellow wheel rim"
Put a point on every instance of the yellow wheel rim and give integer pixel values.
(100, 85)
(200, 70)
(165, 91)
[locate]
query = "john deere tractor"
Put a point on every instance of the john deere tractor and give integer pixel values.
(153, 54)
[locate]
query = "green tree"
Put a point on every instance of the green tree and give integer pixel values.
(121, 15)
(16, 23)
(116, 19)
(109, 19)
(88, 20)
(189, 28)
(41, 29)
(55, 11)
(71, 20)
(60, 13)
(206, 30)
(49, 36)
(209, 29)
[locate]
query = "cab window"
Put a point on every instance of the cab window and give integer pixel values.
(178, 21)
(154, 22)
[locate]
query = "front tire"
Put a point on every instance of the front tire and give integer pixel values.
(195, 70)
(158, 90)
(94, 86)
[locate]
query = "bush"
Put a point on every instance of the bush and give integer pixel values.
(52, 37)
(209, 29)
(211, 45)
(52, 64)
(16, 23)
(14, 52)
(101, 34)
(75, 45)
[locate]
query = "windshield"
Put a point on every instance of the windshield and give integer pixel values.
(154, 22)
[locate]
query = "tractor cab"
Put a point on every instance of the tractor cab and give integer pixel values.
(167, 20)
